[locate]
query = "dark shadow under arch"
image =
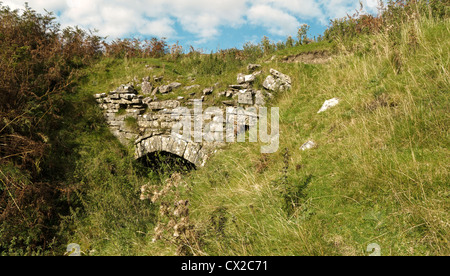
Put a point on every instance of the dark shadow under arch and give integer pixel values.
(166, 163)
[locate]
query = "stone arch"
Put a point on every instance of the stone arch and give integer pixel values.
(189, 151)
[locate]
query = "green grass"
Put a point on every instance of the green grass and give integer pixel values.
(378, 175)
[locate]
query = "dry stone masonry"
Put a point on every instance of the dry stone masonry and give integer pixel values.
(148, 122)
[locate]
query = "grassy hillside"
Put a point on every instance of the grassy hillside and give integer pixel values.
(379, 173)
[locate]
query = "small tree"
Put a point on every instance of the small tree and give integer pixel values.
(290, 42)
(267, 46)
(302, 34)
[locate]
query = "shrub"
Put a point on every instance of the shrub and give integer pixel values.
(391, 17)
(37, 68)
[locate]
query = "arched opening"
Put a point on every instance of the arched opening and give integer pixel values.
(166, 163)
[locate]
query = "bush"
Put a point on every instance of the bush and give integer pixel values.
(391, 17)
(37, 68)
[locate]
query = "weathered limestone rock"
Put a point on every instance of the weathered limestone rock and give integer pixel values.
(259, 98)
(147, 100)
(240, 78)
(147, 87)
(238, 86)
(308, 145)
(257, 73)
(127, 96)
(270, 83)
(328, 104)
(126, 89)
(165, 89)
(245, 97)
(169, 87)
(247, 79)
(229, 94)
(229, 103)
(175, 85)
(100, 96)
(208, 91)
(158, 79)
(277, 81)
(284, 78)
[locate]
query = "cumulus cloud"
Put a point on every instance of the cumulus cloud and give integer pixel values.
(304, 9)
(202, 19)
(276, 21)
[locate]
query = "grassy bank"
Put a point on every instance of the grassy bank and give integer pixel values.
(378, 175)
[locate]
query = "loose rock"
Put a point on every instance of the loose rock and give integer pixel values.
(147, 88)
(328, 104)
(308, 145)
(277, 81)
(208, 91)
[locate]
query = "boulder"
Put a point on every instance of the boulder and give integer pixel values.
(284, 78)
(277, 81)
(270, 83)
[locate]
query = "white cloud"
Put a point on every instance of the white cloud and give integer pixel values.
(340, 8)
(160, 28)
(304, 9)
(204, 17)
(276, 21)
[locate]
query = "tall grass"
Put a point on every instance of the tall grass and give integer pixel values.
(379, 173)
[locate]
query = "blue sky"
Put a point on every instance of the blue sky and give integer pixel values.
(204, 24)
